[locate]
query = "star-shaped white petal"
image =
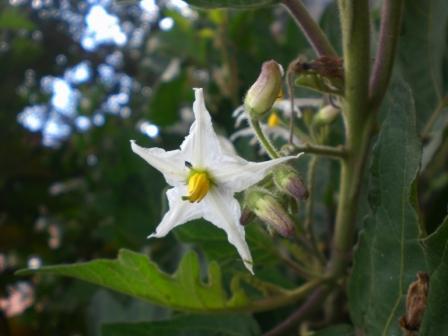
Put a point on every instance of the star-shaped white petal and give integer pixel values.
(229, 172)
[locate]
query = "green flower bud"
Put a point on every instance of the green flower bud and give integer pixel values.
(266, 89)
(267, 208)
(326, 115)
(288, 181)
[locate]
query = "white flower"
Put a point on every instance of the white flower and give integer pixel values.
(204, 177)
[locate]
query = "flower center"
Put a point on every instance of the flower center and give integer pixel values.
(198, 186)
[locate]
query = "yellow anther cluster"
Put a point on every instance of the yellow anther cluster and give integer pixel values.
(198, 186)
(273, 120)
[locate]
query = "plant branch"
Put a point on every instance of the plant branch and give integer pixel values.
(263, 139)
(389, 32)
(355, 38)
(310, 28)
(299, 269)
(292, 296)
(332, 152)
(312, 303)
(308, 223)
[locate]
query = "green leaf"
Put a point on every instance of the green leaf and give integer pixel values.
(214, 243)
(337, 330)
(241, 4)
(167, 99)
(12, 18)
(186, 325)
(435, 245)
(421, 50)
(389, 254)
(134, 274)
(107, 307)
(434, 321)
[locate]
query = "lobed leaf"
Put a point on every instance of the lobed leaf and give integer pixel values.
(134, 274)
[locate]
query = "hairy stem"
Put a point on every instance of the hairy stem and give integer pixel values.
(310, 28)
(384, 60)
(355, 33)
(263, 139)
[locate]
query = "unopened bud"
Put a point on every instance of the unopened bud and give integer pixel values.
(326, 115)
(288, 181)
(247, 216)
(266, 207)
(266, 89)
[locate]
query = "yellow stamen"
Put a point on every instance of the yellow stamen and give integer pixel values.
(198, 186)
(273, 120)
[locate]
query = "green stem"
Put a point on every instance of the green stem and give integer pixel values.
(389, 32)
(308, 223)
(313, 301)
(263, 139)
(310, 28)
(299, 269)
(292, 296)
(355, 32)
(332, 152)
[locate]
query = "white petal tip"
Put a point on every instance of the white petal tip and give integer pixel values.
(133, 145)
(152, 235)
(198, 92)
(249, 267)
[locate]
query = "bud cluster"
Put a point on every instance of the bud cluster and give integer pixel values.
(269, 206)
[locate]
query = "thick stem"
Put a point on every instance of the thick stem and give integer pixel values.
(389, 32)
(355, 30)
(310, 28)
(263, 139)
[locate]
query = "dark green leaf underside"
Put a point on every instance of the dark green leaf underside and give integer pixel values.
(435, 321)
(187, 325)
(389, 253)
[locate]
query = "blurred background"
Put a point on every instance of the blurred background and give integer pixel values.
(78, 80)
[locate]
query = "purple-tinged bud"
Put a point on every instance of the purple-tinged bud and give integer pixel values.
(288, 181)
(267, 208)
(266, 89)
(246, 217)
